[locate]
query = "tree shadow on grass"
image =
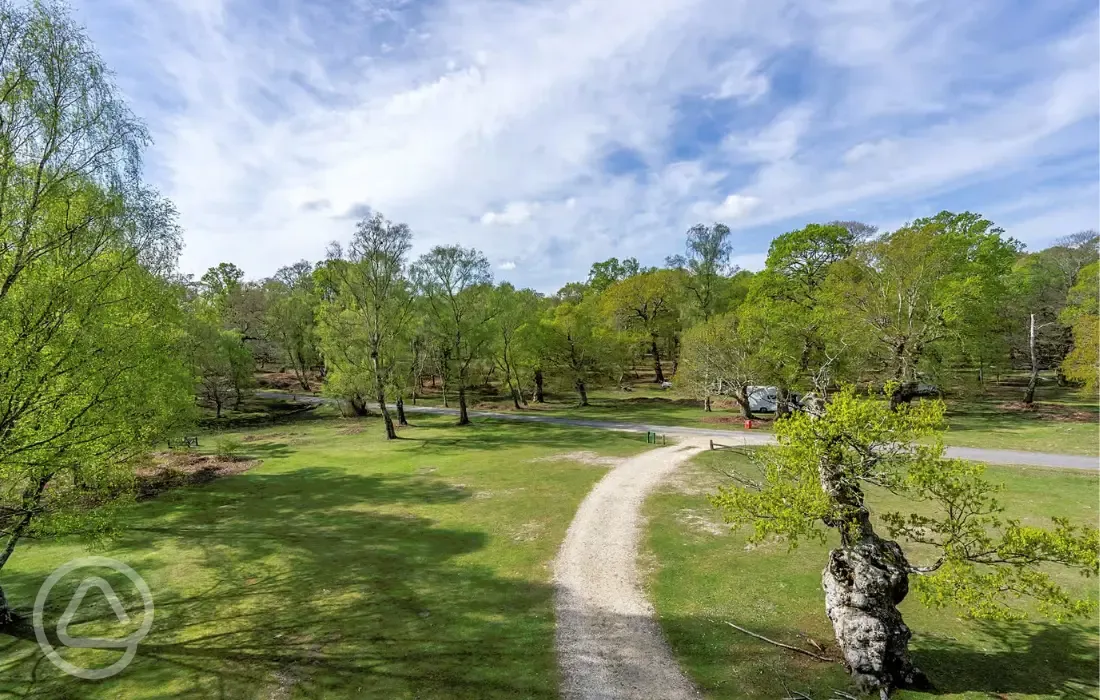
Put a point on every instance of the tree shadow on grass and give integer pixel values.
(488, 435)
(1030, 658)
(297, 585)
(1027, 659)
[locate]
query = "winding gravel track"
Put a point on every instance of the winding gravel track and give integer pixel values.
(609, 646)
(735, 437)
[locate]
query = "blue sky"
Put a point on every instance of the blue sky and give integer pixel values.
(551, 134)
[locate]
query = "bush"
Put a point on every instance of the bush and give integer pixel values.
(228, 448)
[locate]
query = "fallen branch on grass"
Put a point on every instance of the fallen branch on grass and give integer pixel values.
(780, 644)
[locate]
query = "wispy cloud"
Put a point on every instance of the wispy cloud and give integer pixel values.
(512, 214)
(490, 123)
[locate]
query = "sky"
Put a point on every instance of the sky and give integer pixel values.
(551, 134)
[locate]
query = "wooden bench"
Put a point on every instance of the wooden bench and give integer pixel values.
(187, 442)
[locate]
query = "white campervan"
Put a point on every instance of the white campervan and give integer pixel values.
(765, 399)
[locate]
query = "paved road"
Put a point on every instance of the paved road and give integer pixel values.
(737, 437)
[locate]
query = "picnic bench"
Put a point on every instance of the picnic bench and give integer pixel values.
(188, 442)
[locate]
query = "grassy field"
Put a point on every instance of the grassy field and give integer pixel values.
(342, 566)
(701, 575)
(1064, 420)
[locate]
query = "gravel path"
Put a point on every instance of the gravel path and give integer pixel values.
(609, 646)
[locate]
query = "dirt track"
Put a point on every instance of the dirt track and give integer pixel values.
(609, 646)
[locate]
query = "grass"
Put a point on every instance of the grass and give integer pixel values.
(1066, 420)
(701, 575)
(342, 567)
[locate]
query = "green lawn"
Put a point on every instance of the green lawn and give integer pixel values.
(700, 575)
(1065, 421)
(342, 567)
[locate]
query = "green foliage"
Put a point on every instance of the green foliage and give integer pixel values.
(785, 316)
(719, 358)
(814, 480)
(903, 301)
(1082, 314)
(228, 447)
(91, 371)
(606, 273)
(222, 363)
(365, 310)
(645, 309)
(456, 283)
(574, 344)
(706, 266)
(701, 576)
(289, 319)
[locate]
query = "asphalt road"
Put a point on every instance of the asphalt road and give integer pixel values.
(739, 437)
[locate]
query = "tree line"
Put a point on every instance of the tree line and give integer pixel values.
(943, 304)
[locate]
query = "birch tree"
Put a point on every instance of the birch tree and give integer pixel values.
(457, 283)
(372, 301)
(91, 367)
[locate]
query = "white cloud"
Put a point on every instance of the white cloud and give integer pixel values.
(513, 213)
(735, 206)
(267, 134)
(776, 141)
(741, 78)
(507, 265)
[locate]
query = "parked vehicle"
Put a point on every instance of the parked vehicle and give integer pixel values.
(765, 399)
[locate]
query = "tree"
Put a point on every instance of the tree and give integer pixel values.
(1040, 287)
(515, 309)
(706, 265)
(1041, 284)
(457, 283)
(1082, 316)
(718, 359)
(812, 487)
(646, 305)
(903, 299)
(606, 273)
(223, 365)
(574, 344)
(220, 281)
(91, 370)
(364, 322)
(785, 314)
(289, 319)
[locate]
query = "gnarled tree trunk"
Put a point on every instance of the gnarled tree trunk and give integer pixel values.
(865, 580)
